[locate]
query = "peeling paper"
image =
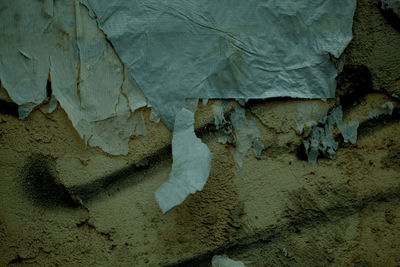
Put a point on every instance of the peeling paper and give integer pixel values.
(53, 103)
(321, 140)
(349, 131)
(138, 124)
(218, 111)
(385, 109)
(246, 133)
(61, 39)
(191, 164)
(225, 261)
(227, 49)
(309, 115)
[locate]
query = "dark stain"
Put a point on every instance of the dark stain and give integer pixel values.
(42, 185)
(353, 83)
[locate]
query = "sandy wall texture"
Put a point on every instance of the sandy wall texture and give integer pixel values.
(64, 204)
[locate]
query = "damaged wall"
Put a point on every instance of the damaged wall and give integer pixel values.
(277, 209)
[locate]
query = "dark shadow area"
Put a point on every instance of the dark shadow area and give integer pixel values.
(353, 83)
(9, 108)
(391, 18)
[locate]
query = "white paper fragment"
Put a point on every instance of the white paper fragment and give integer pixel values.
(258, 147)
(246, 133)
(393, 5)
(25, 109)
(204, 101)
(225, 261)
(349, 131)
(138, 124)
(52, 104)
(321, 140)
(218, 111)
(309, 115)
(227, 49)
(154, 116)
(385, 109)
(191, 164)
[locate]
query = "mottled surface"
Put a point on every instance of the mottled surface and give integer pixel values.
(62, 203)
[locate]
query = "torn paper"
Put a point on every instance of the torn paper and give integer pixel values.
(177, 50)
(309, 115)
(246, 134)
(384, 109)
(225, 261)
(138, 124)
(321, 140)
(61, 39)
(53, 103)
(349, 131)
(191, 164)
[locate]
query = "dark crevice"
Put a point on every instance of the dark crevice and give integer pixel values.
(49, 91)
(9, 108)
(391, 18)
(353, 83)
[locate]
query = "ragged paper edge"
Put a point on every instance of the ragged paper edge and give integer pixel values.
(191, 164)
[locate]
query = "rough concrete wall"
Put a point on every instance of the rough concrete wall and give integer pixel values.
(66, 204)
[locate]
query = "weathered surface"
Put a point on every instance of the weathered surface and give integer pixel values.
(73, 205)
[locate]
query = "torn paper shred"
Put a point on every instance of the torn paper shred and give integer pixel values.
(321, 140)
(177, 50)
(349, 131)
(225, 261)
(384, 109)
(246, 134)
(191, 164)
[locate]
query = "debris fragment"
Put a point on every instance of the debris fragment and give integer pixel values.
(52, 104)
(225, 261)
(384, 109)
(349, 131)
(309, 115)
(154, 116)
(246, 133)
(191, 164)
(139, 127)
(218, 111)
(321, 140)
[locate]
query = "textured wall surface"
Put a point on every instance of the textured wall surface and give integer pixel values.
(62, 203)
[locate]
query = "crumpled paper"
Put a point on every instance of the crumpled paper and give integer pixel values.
(177, 50)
